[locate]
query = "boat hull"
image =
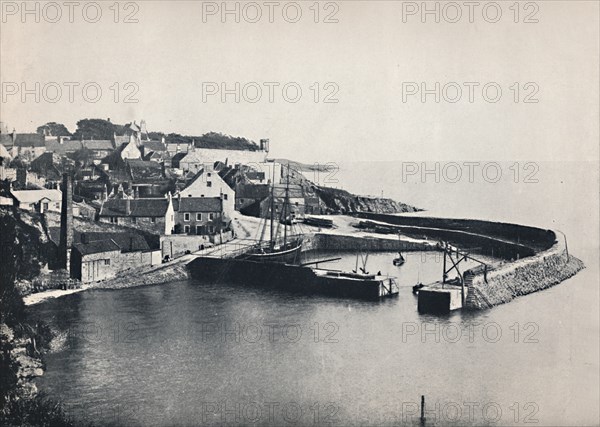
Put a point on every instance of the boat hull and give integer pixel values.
(292, 278)
(290, 255)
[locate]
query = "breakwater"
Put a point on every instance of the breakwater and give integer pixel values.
(532, 259)
(508, 281)
(344, 242)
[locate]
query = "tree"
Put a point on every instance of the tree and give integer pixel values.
(95, 129)
(53, 129)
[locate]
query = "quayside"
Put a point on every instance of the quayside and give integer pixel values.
(293, 278)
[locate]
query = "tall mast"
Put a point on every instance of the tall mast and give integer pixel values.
(271, 209)
(285, 204)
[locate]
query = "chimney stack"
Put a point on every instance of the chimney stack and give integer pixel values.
(66, 223)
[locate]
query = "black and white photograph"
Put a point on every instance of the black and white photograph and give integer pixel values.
(300, 213)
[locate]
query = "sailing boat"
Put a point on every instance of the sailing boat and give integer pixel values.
(400, 259)
(279, 249)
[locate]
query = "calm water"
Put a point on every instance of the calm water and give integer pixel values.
(186, 353)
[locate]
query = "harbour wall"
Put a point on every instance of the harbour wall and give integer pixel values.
(344, 242)
(510, 280)
(543, 263)
(507, 241)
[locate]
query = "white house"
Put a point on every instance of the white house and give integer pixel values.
(208, 183)
(38, 200)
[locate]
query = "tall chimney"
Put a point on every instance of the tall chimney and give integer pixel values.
(66, 223)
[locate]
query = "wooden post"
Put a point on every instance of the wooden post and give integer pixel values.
(422, 410)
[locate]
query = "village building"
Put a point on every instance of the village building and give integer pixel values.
(63, 146)
(4, 153)
(147, 178)
(247, 195)
(51, 166)
(153, 215)
(176, 159)
(99, 149)
(208, 183)
(91, 189)
(42, 201)
(192, 162)
(199, 215)
(204, 156)
(125, 151)
(27, 146)
(295, 197)
(155, 150)
(101, 256)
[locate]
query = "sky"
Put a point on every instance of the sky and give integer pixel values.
(361, 78)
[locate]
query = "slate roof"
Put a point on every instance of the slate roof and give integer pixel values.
(99, 144)
(154, 146)
(6, 140)
(139, 207)
(127, 242)
(34, 196)
(4, 152)
(249, 191)
(29, 140)
(198, 204)
(97, 247)
(66, 146)
(192, 157)
(176, 158)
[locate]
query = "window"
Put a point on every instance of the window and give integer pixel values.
(198, 229)
(45, 206)
(211, 229)
(134, 219)
(186, 229)
(153, 220)
(201, 195)
(186, 216)
(198, 217)
(211, 216)
(209, 183)
(57, 205)
(106, 262)
(224, 196)
(209, 174)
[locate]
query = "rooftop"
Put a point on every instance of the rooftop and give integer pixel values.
(100, 144)
(198, 204)
(29, 140)
(64, 147)
(34, 196)
(138, 207)
(97, 247)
